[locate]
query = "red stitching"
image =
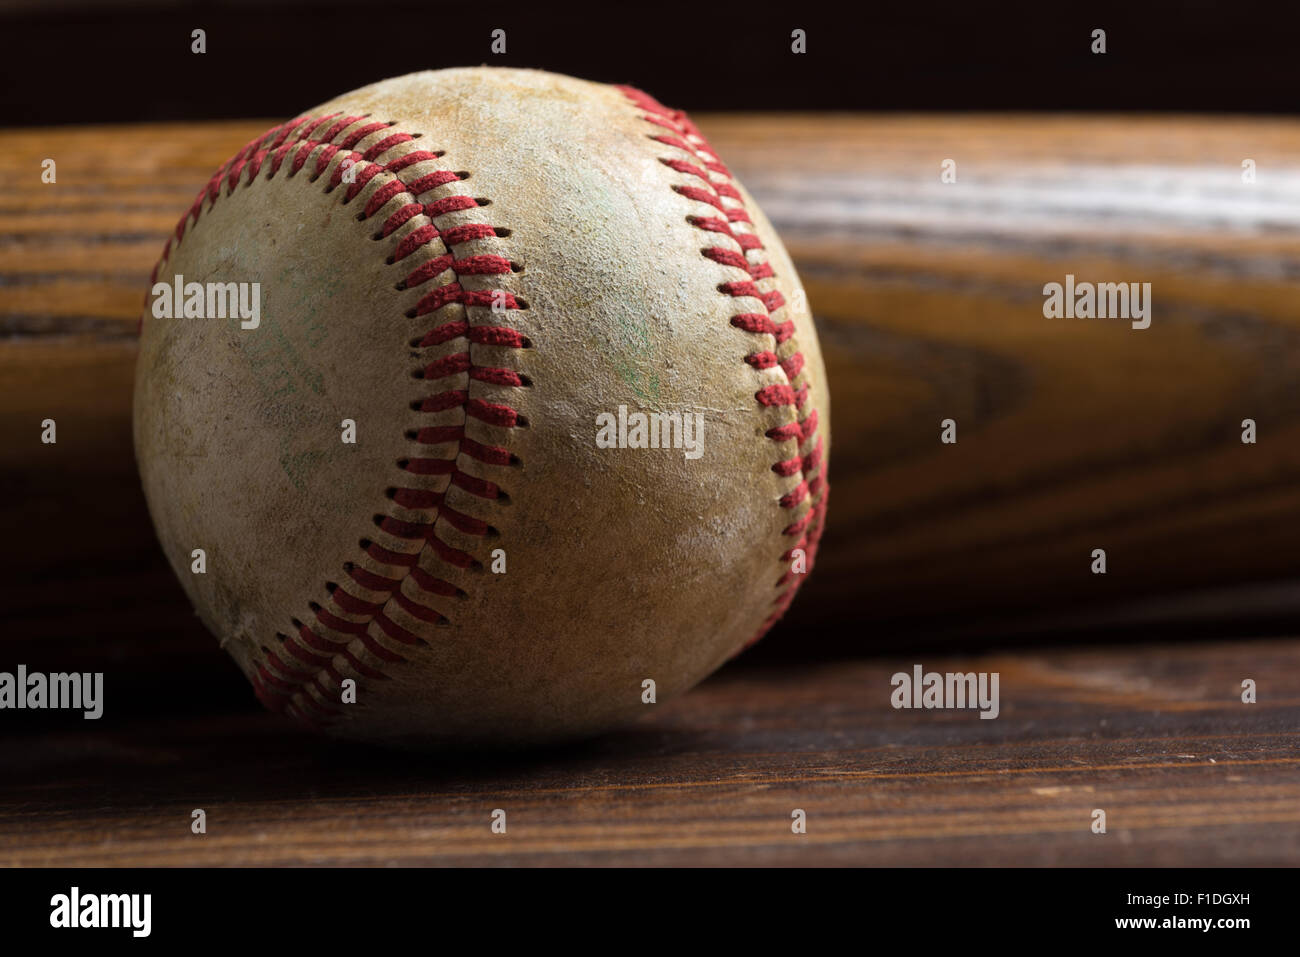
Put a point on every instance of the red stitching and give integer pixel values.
(279, 683)
(718, 190)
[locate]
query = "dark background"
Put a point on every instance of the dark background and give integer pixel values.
(72, 61)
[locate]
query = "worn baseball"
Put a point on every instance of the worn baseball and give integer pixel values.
(481, 407)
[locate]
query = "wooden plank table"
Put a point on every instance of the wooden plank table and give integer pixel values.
(928, 298)
(1186, 773)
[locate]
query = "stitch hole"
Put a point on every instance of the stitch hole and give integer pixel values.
(365, 544)
(296, 623)
(266, 651)
(331, 586)
(403, 464)
(400, 285)
(417, 374)
(416, 343)
(349, 566)
(412, 434)
(390, 492)
(521, 422)
(410, 313)
(462, 594)
(482, 201)
(525, 382)
(503, 497)
(515, 460)
(462, 174)
(516, 267)
(282, 636)
(417, 405)
(492, 532)
(525, 343)
(521, 303)
(377, 236)
(501, 232)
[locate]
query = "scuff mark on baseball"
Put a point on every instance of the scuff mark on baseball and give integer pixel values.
(482, 269)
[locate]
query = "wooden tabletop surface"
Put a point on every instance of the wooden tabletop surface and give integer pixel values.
(928, 301)
(1159, 740)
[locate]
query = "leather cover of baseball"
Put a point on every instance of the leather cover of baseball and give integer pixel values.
(481, 269)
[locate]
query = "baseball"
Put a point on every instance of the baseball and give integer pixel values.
(481, 407)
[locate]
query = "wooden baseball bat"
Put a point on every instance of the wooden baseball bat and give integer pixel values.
(925, 244)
